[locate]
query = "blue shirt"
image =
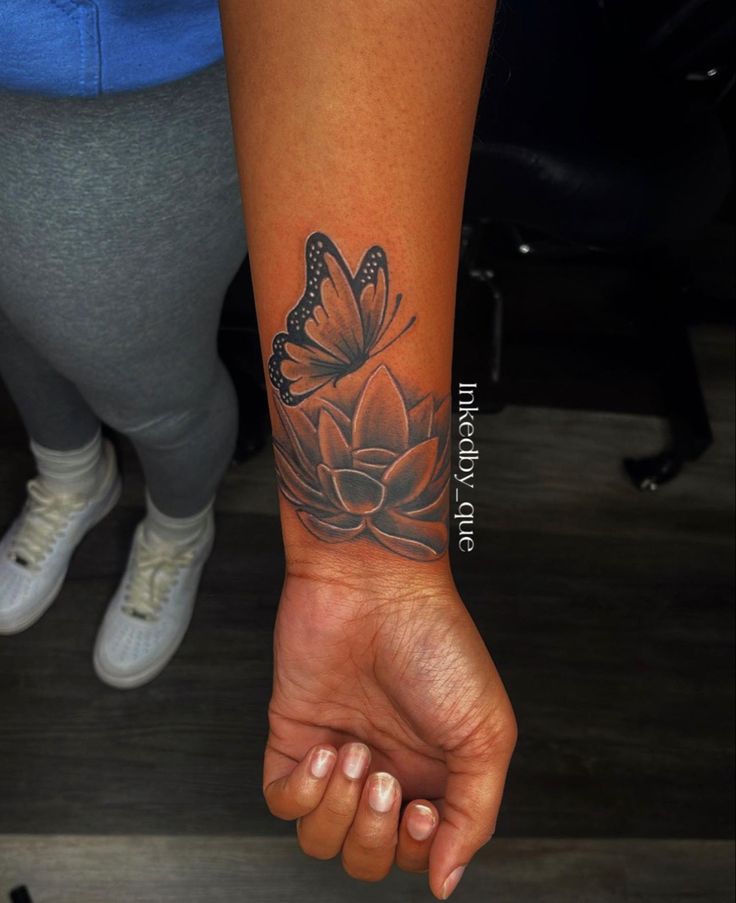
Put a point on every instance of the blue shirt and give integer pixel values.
(86, 48)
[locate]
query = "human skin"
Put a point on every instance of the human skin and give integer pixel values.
(353, 124)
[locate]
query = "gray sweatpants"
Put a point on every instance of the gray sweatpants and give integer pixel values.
(120, 230)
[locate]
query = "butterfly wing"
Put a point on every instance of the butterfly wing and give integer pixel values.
(371, 287)
(325, 335)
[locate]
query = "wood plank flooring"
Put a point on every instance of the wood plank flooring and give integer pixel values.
(201, 869)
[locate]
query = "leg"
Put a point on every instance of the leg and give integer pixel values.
(53, 411)
(131, 258)
(131, 208)
(76, 487)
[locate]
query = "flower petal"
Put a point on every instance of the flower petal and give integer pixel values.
(410, 474)
(302, 435)
(332, 530)
(334, 450)
(420, 540)
(380, 419)
(346, 521)
(439, 481)
(436, 509)
(420, 420)
(306, 433)
(442, 417)
(281, 436)
(443, 459)
(294, 485)
(441, 425)
(358, 493)
(373, 461)
(381, 456)
(327, 483)
(373, 470)
(340, 418)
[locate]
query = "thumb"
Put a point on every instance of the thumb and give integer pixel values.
(469, 810)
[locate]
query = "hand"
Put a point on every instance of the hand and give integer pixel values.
(396, 663)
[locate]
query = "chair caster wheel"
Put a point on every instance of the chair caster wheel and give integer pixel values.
(20, 895)
(648, 474)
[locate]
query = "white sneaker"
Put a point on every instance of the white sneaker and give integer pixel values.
(150, 612)
(36, 550)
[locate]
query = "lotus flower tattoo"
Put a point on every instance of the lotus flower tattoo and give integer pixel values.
(379, 470)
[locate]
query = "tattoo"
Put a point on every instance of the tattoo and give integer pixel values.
(376, 465)
(337, 324)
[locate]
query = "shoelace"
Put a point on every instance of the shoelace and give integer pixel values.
(155, 570)
(45, 517)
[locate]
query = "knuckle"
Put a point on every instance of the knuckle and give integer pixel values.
(502, 731)
(473, 823)
(370, 844)
(495, 736)
(314, 849)
(510, 730)
(362, 871)
(302, 799)
(408, 862)
(276, 808)
(338, 810)
(414, 868)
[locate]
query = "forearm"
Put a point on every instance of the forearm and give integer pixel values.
(353, 124)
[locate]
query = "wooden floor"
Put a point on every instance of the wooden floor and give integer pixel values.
(203, 869)
(610, 617)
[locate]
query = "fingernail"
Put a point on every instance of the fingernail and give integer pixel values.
(452, 882)
(356, 761)
(321, 762)
(421, 822)
(382, 792)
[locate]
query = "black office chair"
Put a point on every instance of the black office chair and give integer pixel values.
(239, 349)
(599, 136)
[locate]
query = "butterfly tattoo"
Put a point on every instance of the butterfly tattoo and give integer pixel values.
(341, 320)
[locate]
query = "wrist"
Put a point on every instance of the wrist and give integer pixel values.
(360, 567)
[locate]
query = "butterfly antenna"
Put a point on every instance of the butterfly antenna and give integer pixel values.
(387, 321)
(398, 336)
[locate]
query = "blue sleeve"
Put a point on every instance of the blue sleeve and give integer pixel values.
(86, 48)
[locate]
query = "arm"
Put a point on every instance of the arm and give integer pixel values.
(353, 124)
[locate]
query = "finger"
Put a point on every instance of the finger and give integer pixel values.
(476, 777)
(298, 793)
(416, 831)
(370, 846)
(322, 832)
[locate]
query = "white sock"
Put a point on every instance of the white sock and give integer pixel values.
(78, 472)
(175, 531)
